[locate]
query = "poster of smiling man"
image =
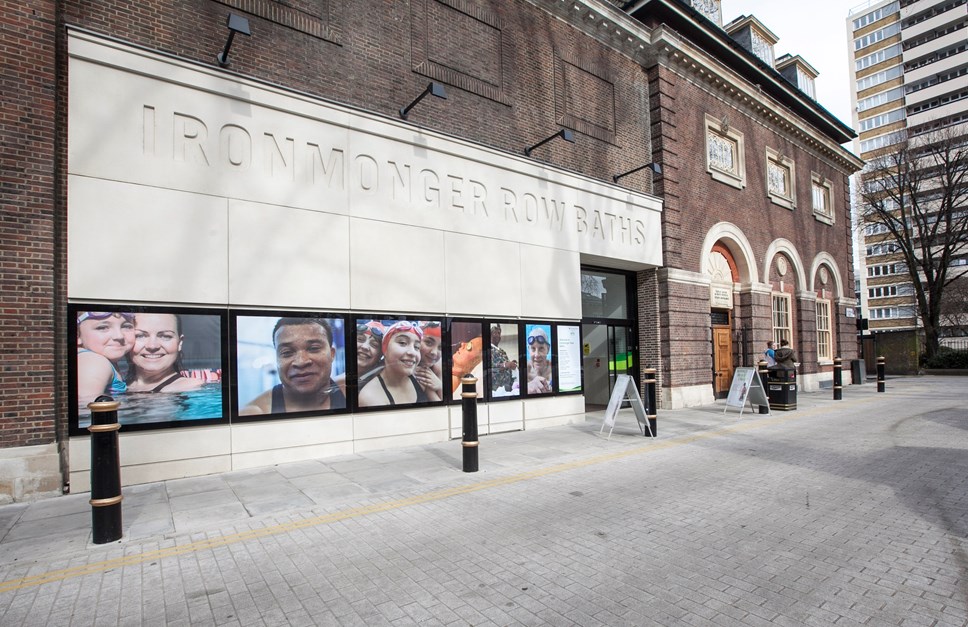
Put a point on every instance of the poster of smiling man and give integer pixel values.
(162, 365)
(294, 364)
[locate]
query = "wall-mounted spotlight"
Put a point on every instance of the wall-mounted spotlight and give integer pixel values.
(434, 89)
(655, 167)
(236, 24)
(564, 133)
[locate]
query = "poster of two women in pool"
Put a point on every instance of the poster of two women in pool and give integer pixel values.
(170, 366)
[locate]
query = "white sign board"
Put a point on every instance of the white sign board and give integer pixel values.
(569, 358)
(721, 296)
(746, 385)
(625, 390)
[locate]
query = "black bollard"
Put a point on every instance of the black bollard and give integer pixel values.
(838, 379)
(468, 395)
(881, 386)
(651, 405)
(764, 372)
(105, 470)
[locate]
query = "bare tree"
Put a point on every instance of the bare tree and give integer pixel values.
(918, 193)
(954, 308)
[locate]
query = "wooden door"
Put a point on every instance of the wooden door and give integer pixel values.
(722, 361)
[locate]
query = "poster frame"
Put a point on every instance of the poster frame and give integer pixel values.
(352, 385)
(74, 411)
(489, 395)
(449, 356)
(235, 314)
(523, 350)
(557, 360)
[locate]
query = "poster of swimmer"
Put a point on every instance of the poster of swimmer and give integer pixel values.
(503, 359)
(164, 365)
(539, 355)
(398, 361)
(288, 364)
(466, 356)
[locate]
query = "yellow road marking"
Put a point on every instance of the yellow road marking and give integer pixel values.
(436, 495)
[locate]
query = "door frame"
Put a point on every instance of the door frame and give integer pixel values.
(723, 390)
(631, 323)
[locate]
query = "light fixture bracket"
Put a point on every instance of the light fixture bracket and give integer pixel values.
(565, 134)
(236, 24)
(434, 89)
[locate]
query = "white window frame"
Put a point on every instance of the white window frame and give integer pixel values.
(878, 35)
(882, 291)
(716, 130)
(784, 167)
(884, 313)
(873, 80)
(824, 332)
(782, 327)
(822, 191)
(880, 56)
(884, 269)
(875, 15)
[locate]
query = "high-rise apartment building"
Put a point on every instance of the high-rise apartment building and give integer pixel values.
(909, 60)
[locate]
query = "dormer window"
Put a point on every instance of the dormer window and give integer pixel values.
(762, 47)
(798, 72)
(750, 33)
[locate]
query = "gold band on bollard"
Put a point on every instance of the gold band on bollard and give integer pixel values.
(469, 444)
(114, 500)
(468, 394)
(114, 426)
(104, 406)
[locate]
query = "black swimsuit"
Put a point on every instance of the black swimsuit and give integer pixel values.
(421, 395)
(161, 386)
(336, 399)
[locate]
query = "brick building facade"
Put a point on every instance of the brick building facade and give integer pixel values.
(125, 189)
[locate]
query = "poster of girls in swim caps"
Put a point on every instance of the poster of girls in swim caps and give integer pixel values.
(162, 365)
(398, 362)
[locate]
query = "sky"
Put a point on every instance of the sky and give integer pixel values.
(817, 31)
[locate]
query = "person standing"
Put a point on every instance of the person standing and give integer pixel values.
(785, 357)
(769, 355)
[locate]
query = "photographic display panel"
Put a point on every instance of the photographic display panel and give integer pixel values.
(540, 358)
(292, 364)
(504, 361)
(466, 356)
(164, 365)
(569, 358)
(398, 361)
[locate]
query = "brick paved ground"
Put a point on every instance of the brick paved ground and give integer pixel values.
(843, 513)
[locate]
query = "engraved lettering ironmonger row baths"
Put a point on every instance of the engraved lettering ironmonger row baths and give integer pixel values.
(230, 147)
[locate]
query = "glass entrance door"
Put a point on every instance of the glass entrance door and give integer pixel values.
(609, 323)
(607, 354)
